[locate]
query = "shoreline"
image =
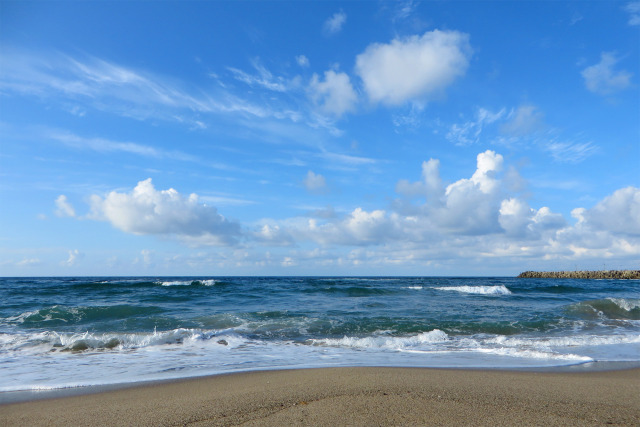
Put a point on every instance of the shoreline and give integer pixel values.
(353, 396)
(31, 395)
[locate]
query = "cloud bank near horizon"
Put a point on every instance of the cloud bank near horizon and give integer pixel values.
(478, 217)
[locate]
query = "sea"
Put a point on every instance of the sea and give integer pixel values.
(71, 332)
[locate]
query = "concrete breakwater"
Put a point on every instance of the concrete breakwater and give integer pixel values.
(599, 274)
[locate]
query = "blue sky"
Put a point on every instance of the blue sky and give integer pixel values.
(318, 138)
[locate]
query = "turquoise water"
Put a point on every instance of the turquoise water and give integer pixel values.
(67, 332)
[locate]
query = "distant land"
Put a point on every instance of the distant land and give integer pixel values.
(599, 274)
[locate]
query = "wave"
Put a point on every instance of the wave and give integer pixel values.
(608, 308)
(384, 342)
(534, 354)
(565, 341)
(60, 315)
(50, 341)
(200, 282)
(480, 290)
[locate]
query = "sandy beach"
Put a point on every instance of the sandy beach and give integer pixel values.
(354, 396)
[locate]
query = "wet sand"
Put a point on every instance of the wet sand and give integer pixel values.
(355, 397)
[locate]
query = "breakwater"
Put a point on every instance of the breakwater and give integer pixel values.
(598, 274)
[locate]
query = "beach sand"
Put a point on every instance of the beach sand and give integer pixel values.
(353, 396)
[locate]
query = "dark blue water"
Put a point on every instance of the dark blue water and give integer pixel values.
(57, 332)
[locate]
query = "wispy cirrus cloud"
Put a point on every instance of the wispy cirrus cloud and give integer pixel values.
(469, 132)
(90, 82)
(104, 145)
(570, 152)
(264, 78)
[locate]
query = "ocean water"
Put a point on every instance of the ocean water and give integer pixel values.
(68, 332)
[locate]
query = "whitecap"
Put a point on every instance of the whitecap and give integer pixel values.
(481, 290)
(382, 342)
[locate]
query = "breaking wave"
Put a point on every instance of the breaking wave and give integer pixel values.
(608, 308)
(480, 290)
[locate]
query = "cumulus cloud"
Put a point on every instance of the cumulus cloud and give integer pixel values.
(415, 68)
(520, 220)
(476, 219)
(63, 207)
(335, 95)
(470, 204)
(603, 79)
(618, 213)
(315, 182)
(334, 24)
(146, 210)
(430, 186)
(273, 235)
(357, 228)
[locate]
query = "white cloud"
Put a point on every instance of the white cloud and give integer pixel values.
(470, 205)
(469, 132)
(525, 120)
(404, 9)
(633, 9)
(29, 262)
(148, 211)
(358, 228)
(570, 152)
(63, 207)
(335, 95)
(416, 68)
(264, 78)
(430, 186)
(116, 89)
(315, 182)
(302, 61)
(103, 145)
(618, 213)
(273, 235)
(334, 24)
(472, 219)
(602, 79)
(519, 220)
(74, 256)
(147, 257)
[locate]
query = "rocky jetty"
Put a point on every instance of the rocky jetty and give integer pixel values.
(600, 274)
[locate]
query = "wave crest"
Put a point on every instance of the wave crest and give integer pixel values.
(480, 290)
(608, 308)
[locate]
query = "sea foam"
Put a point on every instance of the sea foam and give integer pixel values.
(202, 282)
(481, 290)
(385, 342)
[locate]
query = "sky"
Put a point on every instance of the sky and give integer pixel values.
(445, 138)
